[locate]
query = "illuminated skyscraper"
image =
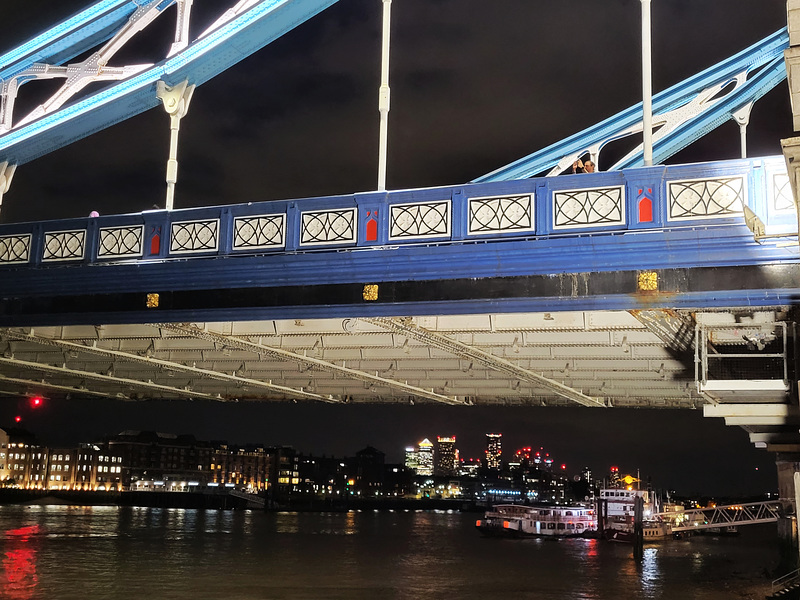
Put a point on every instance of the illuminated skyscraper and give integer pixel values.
(445, 456)
(425, 457)
(613, 477)
(411, 461)
(494, 451)
(587, 475)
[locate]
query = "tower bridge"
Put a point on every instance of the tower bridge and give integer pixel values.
(660, 286)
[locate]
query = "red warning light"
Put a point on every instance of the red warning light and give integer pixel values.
(563, 467)
(36, 401)
(18, 418)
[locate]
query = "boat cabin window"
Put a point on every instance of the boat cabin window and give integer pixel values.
(568, 513)
(551, 525)
(560, 525)
(570, 526)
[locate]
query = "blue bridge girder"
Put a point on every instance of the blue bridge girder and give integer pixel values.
(638, 238)
(752, 73)
(201, 60)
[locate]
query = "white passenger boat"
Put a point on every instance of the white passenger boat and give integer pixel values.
(618, 507)
(516, 520)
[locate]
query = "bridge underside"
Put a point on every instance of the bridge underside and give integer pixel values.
(637, 358)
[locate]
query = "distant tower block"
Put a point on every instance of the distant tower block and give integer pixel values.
(494, 451)
(425, 457)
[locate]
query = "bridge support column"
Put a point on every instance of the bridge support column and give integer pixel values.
(6, 174)
(788, 467)
(176, 102)
(742, 118)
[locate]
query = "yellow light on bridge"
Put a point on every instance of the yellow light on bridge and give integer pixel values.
(647, 281)
(370, 293)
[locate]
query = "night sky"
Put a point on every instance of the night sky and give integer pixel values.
(475, 85)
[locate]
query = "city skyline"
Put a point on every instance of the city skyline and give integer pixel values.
(721, 461)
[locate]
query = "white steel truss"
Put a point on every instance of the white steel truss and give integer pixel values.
(205, 333)
(725, 516)
(409, 329)
(157, 363)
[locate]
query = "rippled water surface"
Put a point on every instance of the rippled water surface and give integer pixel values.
(65, 553)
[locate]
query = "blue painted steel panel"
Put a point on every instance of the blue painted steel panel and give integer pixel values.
(538, 259)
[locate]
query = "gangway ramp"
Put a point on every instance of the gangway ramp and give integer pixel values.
(696, 519)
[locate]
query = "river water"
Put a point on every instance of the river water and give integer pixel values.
(80, 553)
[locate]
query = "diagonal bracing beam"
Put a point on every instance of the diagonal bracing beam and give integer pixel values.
(671, 327)
(67, 372)
(42, 384)
(682, 114)
(162, 364)
(407, 328)
(205, 333)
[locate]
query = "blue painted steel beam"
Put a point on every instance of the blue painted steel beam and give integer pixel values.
(751, 91)
(527, 264)
(199, 62)
(768, 53)
(67, 40)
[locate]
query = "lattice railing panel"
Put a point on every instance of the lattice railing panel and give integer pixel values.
(501, 214)
(194, 236)
(419, 220)
(118, 242)
(15, 248)
(781, 193)
(706, 198)
(259, 232)
(64, 245)
(588, 208)
(328, 227)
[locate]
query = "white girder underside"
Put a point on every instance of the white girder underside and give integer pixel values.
(603, 358)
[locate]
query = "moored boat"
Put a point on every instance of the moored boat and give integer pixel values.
(516, 520)
(617, 507)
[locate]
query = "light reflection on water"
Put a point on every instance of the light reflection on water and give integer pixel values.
(122, 553)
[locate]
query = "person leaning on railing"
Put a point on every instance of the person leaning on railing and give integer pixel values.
(583, 167)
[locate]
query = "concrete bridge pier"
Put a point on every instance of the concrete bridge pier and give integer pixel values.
(788, 467)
